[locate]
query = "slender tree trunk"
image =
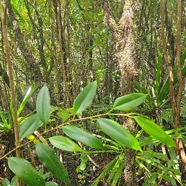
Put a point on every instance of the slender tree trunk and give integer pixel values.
(12, 87)
(123, 36)
(33, 66)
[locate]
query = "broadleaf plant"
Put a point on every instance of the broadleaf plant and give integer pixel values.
(82, 136)
(129, 102)
(109, 136)
(25, 171)
(52, 163)
(85, 98)
(43, 104)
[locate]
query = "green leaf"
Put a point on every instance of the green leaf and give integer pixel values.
(154, 130)
(29, 93)
(43, 105)
(106, 171)
(50, 183)
(163, 93)
(64, 144)
(118, 133)
(82, 136)
(85, 98)
(29, 126)
(1, 11)
(5, 182)
(52, 163)
(118, 174)
(83, 163)
(64, 115)
(158, 74)
(129, 102)
(119, 163)
(24, 170)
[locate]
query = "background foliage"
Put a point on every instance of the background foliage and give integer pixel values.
(67, 87)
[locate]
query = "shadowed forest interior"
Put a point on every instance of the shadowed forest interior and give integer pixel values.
(92, 92)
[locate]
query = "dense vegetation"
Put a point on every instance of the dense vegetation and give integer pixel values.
(92, 92)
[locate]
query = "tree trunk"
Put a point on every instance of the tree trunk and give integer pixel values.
(123, 36)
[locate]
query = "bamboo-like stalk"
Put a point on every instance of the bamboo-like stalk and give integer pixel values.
(166, 60)
(178, 65)
(60, 30)
(12, 87)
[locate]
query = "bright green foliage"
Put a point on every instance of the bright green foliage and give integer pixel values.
(154, 130)
(51, 184)
(85, 98)
(129, 102)
(116, 171)
(43, 105)
(82, 136)
(1, 11)
(6, 182)
(64, 144)
(29, 93)
(29, 126)
(24, 170)
(113, 170)
(4, 125)
(118, 133)
(52, 163)
(119, 138)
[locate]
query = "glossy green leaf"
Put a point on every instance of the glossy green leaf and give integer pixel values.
(118, 133)
(25, 171)
(29, 126)
(64, 144)
(154, 130)
(29, 93)
(43, 105)
(82, 136)
(129, 102)
(85, 98)
(52, 163)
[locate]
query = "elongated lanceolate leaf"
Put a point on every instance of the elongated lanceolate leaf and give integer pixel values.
(106, 171)
(118, 133)
(85, 98)
(52, 162)
(64, 144)
(43, 105)
(154, 130)
(129, 102)
(82, 136)
(25, 171)
(29, 93)
(29, 126)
